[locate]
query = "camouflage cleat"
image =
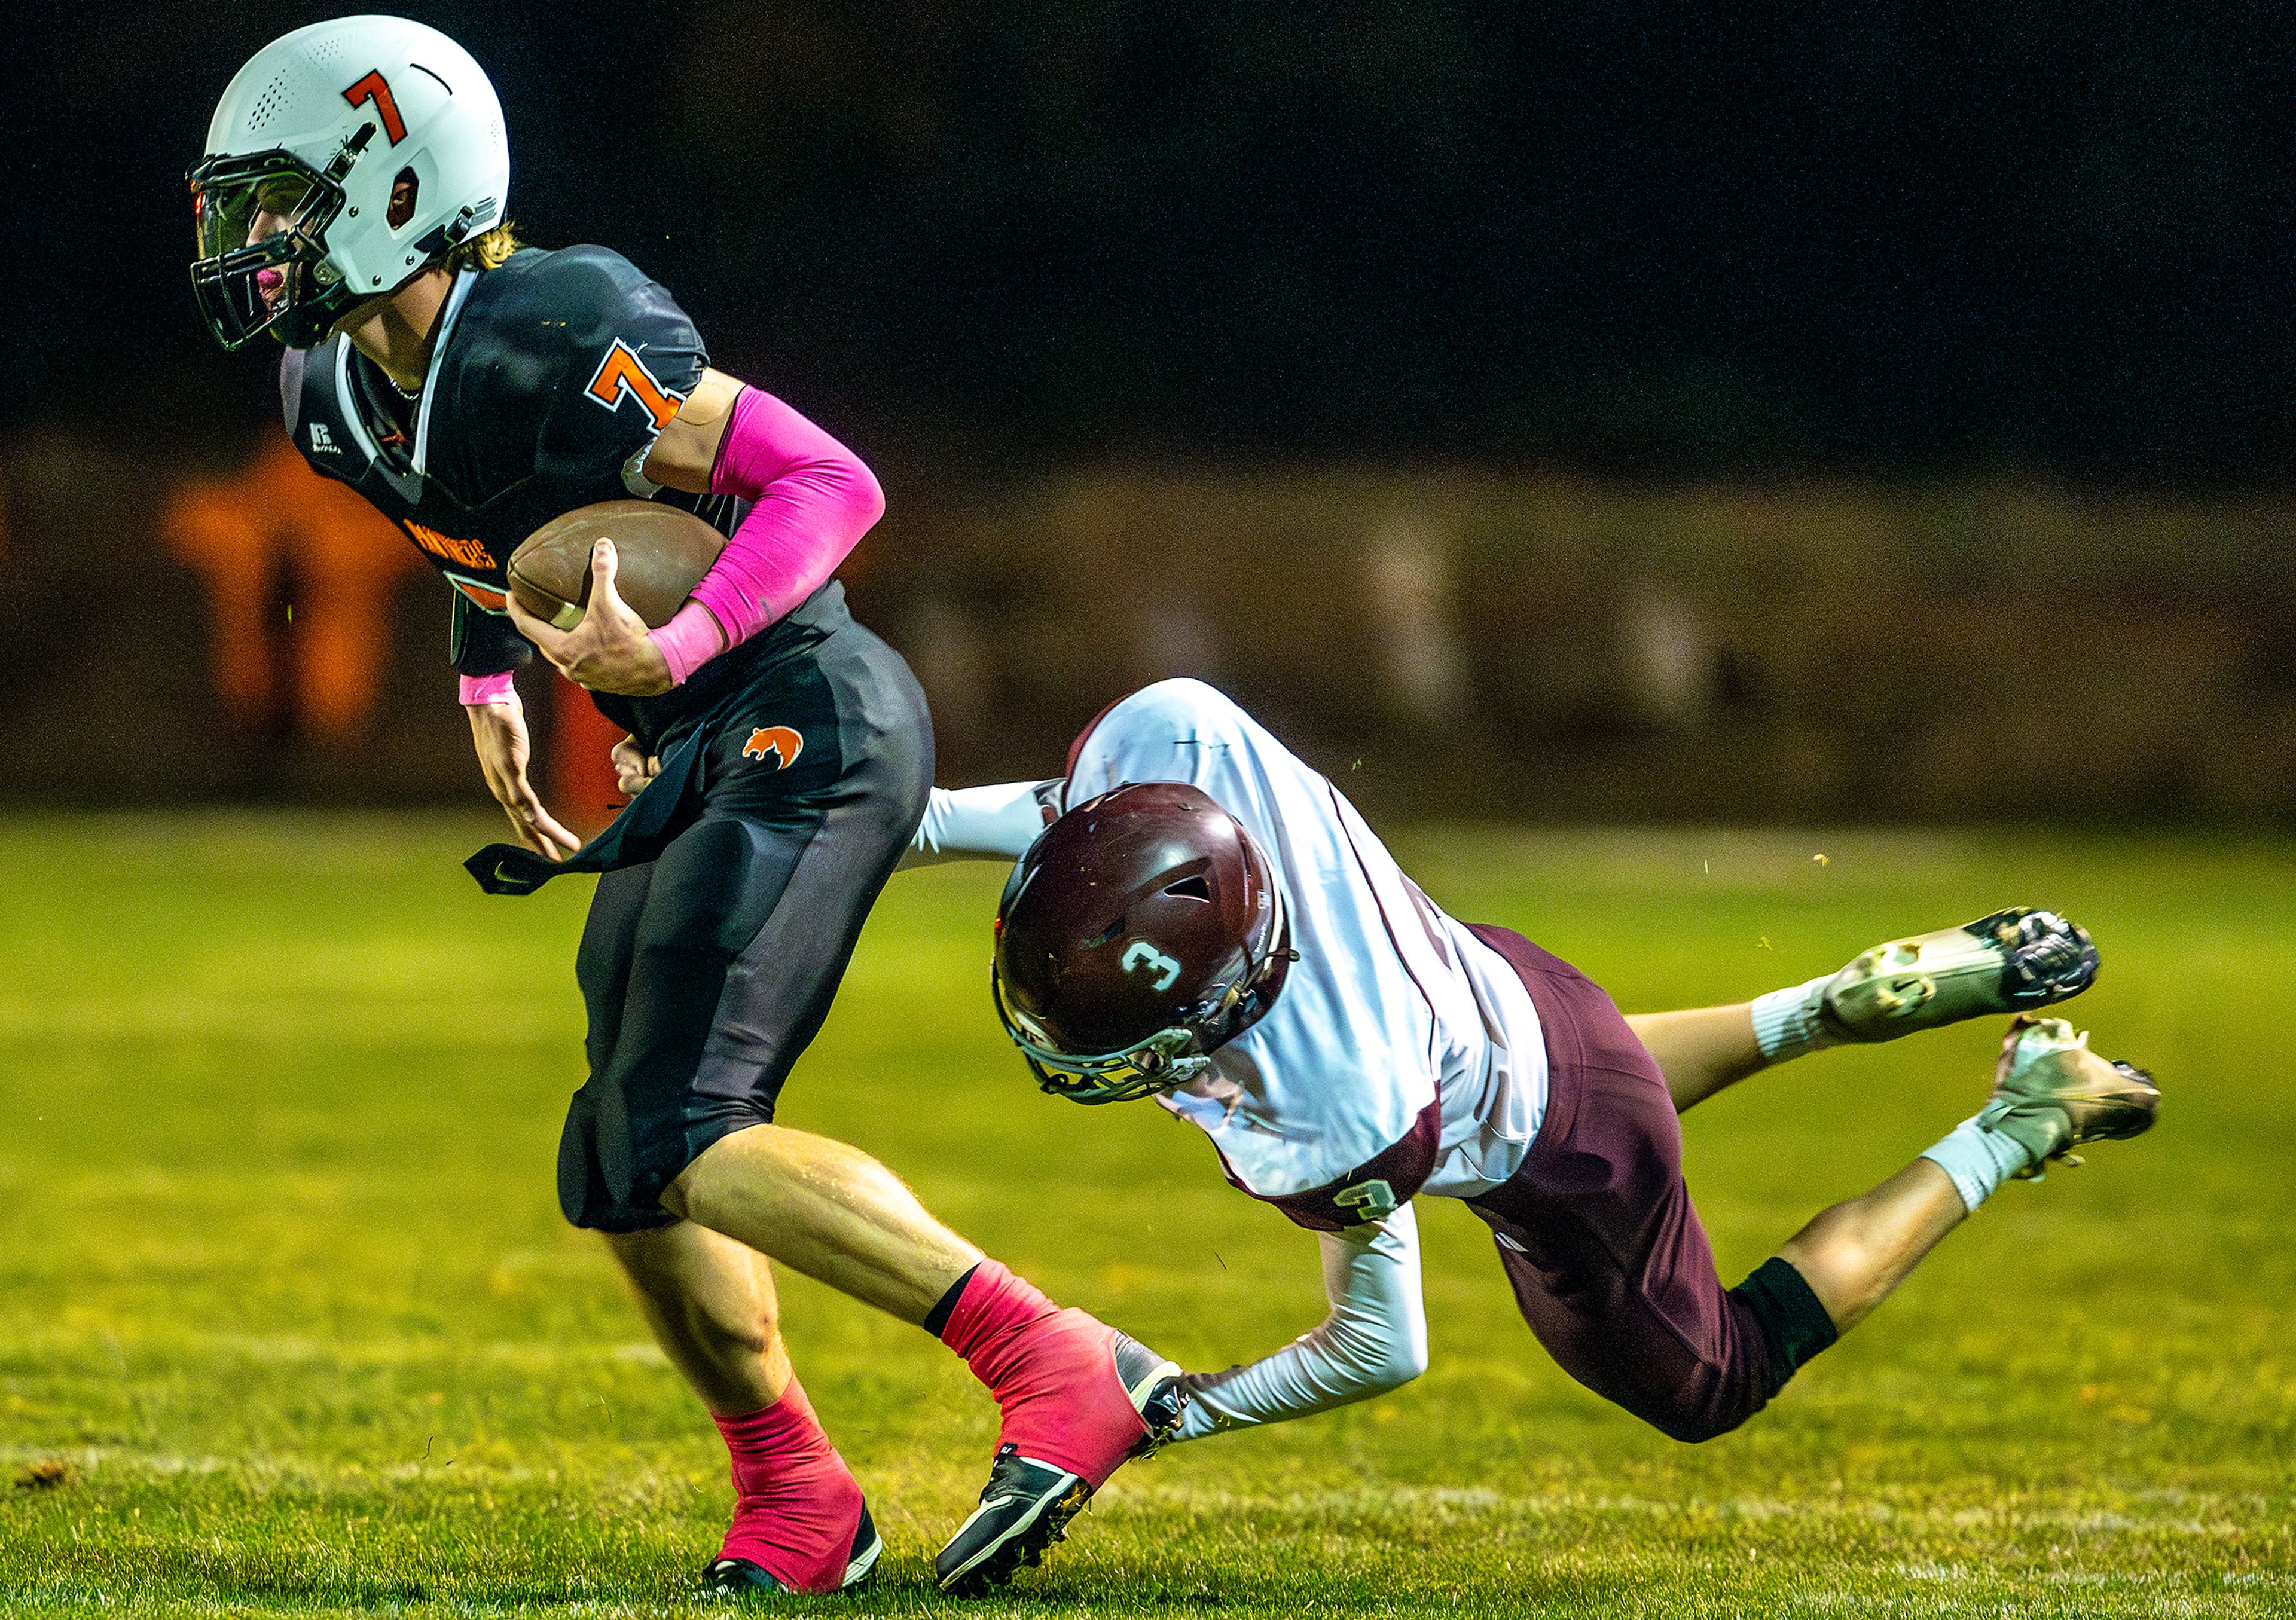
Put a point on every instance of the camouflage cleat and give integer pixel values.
(2051, 1093)
(2011, 962)
(1029, 1504)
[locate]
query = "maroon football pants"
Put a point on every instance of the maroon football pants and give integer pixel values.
(1610, 1264)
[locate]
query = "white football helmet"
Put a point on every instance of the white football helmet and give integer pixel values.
(314, 130)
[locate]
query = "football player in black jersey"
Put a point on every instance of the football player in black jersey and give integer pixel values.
(351, 203)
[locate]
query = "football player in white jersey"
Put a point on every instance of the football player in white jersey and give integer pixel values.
(1197, 916)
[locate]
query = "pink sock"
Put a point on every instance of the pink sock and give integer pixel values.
(1053, 1371)
(995, 1302)
(799, 1504)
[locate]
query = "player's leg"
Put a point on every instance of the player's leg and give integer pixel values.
(1701, 1050)
(799, 1523)
(1610, 1265)
(749, 920)
(829, 1210)
(1078, 1397)
(2051, 1094)
(2011, 962)
(710, 1303)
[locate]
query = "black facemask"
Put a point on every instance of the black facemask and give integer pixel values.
(310, 295)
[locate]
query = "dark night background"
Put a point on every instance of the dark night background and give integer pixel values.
(1657, 239)
(1584, 411)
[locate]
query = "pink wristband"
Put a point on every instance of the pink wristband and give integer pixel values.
(477, 690)
(691, 639)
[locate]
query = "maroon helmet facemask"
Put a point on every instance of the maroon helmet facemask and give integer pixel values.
(1138, 933)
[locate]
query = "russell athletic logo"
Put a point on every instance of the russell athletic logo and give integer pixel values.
(783, 743)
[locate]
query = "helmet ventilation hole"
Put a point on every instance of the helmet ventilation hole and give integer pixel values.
(1192, 889)
(274, 95)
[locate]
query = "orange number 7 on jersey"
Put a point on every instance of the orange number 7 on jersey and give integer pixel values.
(372, 88)
(621, 372)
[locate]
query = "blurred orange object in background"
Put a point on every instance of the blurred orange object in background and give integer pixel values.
(583, 793)
(275, 528)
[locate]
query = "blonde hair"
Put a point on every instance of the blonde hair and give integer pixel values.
(488, 250)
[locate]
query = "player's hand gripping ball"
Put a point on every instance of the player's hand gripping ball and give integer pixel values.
(587, 587)
(661, 554)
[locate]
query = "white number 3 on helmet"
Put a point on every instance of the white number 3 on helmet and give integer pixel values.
(1141, 955)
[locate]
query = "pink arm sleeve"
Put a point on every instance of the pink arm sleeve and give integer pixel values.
(815, 500)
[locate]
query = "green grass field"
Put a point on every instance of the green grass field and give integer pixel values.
(289, 1322)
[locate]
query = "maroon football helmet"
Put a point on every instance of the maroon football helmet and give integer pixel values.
(1140, 931)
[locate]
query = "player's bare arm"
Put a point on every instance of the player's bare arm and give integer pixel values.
(498, 733)
(685, 454)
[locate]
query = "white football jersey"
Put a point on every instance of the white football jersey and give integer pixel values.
(1396, 1020)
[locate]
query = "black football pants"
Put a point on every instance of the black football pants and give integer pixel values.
(707, 971)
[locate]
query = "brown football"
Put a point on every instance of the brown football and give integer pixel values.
(661, 554)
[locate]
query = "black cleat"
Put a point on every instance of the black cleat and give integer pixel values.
(1025, 1510)
(739, 1578)
(1029, 1504)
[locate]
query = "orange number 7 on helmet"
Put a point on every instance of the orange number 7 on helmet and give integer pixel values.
(373, 89)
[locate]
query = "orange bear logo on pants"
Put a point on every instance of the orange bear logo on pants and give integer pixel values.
(783, 743)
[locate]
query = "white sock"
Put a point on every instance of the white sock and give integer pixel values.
(1786, 1023)
(1977, 1160)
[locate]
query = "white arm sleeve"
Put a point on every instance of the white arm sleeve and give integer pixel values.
(1375, 1339)
(980, 823)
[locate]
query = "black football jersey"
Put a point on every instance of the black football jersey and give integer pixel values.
(550, 377)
